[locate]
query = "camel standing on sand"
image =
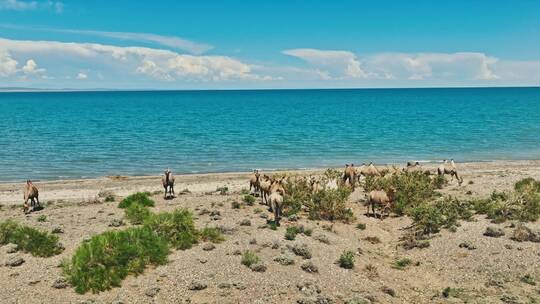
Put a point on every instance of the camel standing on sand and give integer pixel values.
(254, 181)
(368, 170)
(30, 193)
(264, 187)
(451, 169)
(349, 175)
(168, 183)
(381, 198)
(277, 191)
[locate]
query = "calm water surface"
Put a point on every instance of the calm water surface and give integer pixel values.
(68, 135)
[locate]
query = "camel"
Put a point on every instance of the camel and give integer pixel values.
(381, 198)
(31, 193)
(277, 191)
(349, 175)
(451, 169)
(315, 185)
(368, 170)
(168, 183)
(254, 181)
(264, 188)
(413, 167)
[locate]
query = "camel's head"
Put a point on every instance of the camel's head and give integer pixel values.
(28, 182)
(392, 192)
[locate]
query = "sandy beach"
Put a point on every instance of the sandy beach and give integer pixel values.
(486, 274)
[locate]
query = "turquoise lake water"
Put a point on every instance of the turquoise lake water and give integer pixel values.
(65, 135)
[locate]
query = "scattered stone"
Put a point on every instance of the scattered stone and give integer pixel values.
(203, 261)
(152, 291)
(14, 261)
(508, 246)
(316, 300)
(253, 241)
(34, 282)
(215, 217)
(224, 285)
(225, 229)
(215, 212)
(263, 215)
(237, 252)
(197, 285)
(275, 244)
(117, 302)
(239, 285)
(523, 233)
(285, 259)
(204, 211)
(493, 231)
(468, 245)
(208, 247)
(510, 299)
(116, 223)
(258, 267)
(389, 291)
(57, 230)
(60, 283)
(308, 266)
(245, 222)
(11, 248)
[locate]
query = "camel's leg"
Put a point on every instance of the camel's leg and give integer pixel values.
(38, 203)
(25, 206)
(165, 195)
(172, 190)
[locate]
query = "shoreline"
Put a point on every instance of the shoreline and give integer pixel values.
(80, 190)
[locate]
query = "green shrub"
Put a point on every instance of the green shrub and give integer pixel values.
(297, 194)
(235, 205)
(106, 259)
(211, 234)
(249, 258)
(346, 260)
(42, 218)
(291, 232)
(439, 181)
(136, 213)
(429, 218)
(526, 183)
(110, 198)
(142, 198)
(222, 190)
(528, 279)
(175, 227)
(330, 205)
(401, 264)
(249, 199)
(412, 189)
(28, 239)
(361, 226)
(522, 205)
(244, 191)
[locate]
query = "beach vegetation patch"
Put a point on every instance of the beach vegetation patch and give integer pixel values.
(346, 260)
(28, 239)
(330, 204)
(250, 258)
(249, 199)
(211, 234)
(136, 213)
(106, 259)
(142, 198)
(175, 227)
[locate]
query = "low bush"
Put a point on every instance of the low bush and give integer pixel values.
(401, 264)
(106, 259)
(430, 218)
(249, 199)
(28, 239)
(330, 205)
(291, 232)
(223, 190)
(211, 234)
(523, 204)
(136, 213)
(346, 260)
(250, 258)
(361, 226)
(175, 227)
(42, 218)
(142, 198)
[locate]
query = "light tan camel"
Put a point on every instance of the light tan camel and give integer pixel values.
(451, 169)
(254, 181)
(381, 198)
(30, 193)
(167, 180)
(277, 191)
(349, 175)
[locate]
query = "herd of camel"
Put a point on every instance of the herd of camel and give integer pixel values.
(272, 190)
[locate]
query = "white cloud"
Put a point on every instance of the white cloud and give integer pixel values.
(31, 67)
(8, 65)
(19, 5)
(173, 42)
(131, 61)
(81, 76)
(341, 64)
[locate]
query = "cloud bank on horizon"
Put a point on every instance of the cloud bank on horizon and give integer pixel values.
(130, 60)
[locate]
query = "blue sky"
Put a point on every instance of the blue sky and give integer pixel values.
(275, 44)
